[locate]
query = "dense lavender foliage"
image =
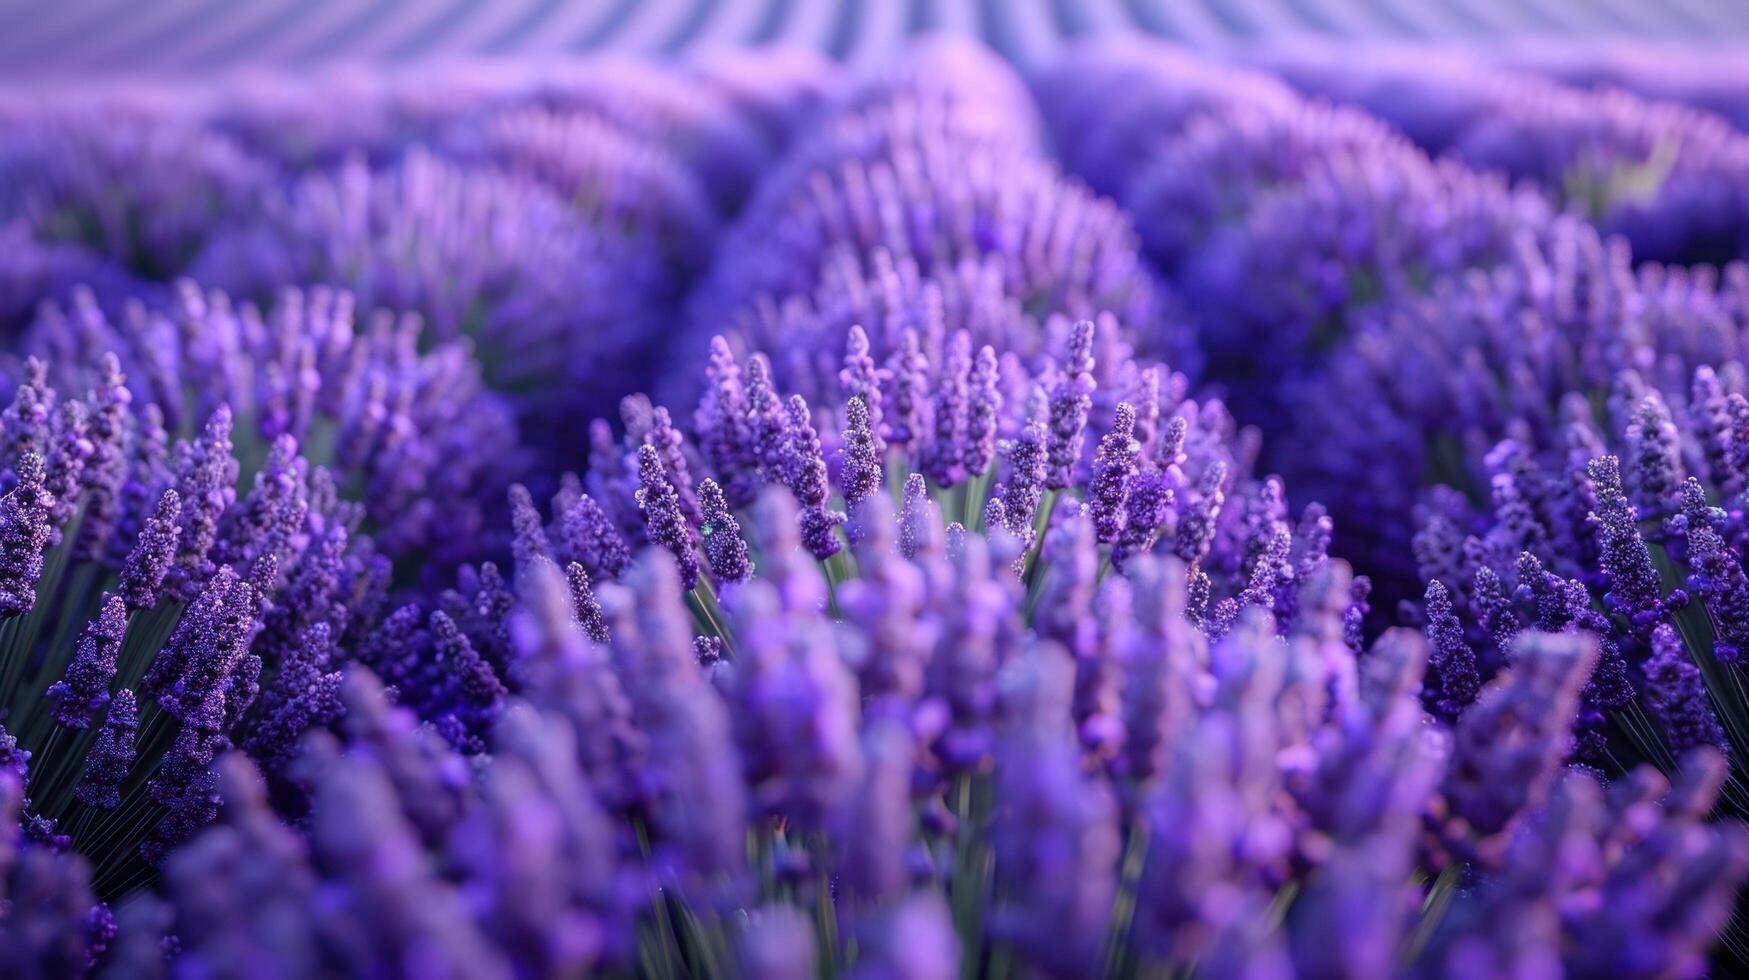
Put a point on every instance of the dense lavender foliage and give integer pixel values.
(1667, 175)
(748, 518)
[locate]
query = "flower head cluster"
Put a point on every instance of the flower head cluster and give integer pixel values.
(923, 200)
(157, 608)
(1314, 214)
(412, 433)
(555, 304)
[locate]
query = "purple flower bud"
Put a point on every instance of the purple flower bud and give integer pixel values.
(671, 445)
(142, 578)
(884, 602)
(584, 534)
(767, 421)
(84, 690)
(981, 423)
(206, 480)
(528, 542)
(804, 469)
(25, 527)
(1717, 577)
(861, 474)
(1678, 695)
(106, 470)
(907, 385)
(64, 473)
(1452, 662)
(188, 676)
(148, 477)
(795, 710)
(1113, 469)
(1024, 478)
(663, 520)
(723, 545)
(1057, 842)
(915, 940)
(111, 756)
(943, 456)
(699, 806)
(1196, 525)
(1071, 402)
(776, 942)
(725, 434)
(861, 379)
(874, 833)
(24, 425)
(475, 695)
(1634, 590)
(1654, 455)
(305, 694)
(586, 608)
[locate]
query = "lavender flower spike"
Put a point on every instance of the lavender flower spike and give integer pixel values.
(111, 756)
(1452, 662)
(25, 527)
(85, 689)
(662, 517)
(107, 469)
(981, 423)
(1113, 468)
(207, 481)
(723, 545)
(1678, 695)
(943, 459)
(1627, 562)
(142, 577)
(1071, 401)
(805, 474)
(861, 379)
(861, 472)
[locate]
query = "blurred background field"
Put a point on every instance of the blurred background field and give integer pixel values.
(86, 37)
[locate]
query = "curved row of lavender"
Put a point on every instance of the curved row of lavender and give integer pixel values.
(974, 593)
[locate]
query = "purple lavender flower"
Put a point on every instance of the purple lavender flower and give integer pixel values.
(861, 474)
(111, 756)
(1071, 400)
(861, 378)
(1455, 679)
(584, 604)
(1113, 469)
(85, 689)
(804, 473)
(206, 483)
(981, 424)
(661, 509)
(64, 471)
(724, 434)
(1678, 696)
(723, 545)
(582, 533)
(25, 528)
(943, 458)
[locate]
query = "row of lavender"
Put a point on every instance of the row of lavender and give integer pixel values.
(956, 631)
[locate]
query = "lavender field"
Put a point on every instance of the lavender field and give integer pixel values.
(1039, 496)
